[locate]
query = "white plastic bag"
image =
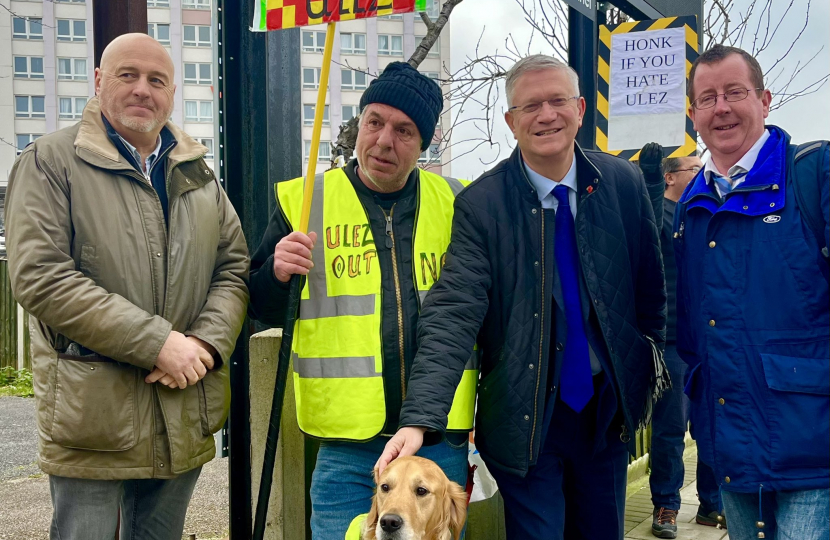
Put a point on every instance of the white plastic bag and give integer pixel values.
(484, 485)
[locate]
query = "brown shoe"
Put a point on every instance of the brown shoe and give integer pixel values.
(664, 523)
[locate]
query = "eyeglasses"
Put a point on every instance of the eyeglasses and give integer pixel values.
(692, 169)
(736, 94)
(530, 108)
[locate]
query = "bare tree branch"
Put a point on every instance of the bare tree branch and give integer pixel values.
(433, 32)
(35, 20)
(4, 141)
(426, 19)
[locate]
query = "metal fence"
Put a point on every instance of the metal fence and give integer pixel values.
(14, 326)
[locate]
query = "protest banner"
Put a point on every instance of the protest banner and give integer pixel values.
(282, 14)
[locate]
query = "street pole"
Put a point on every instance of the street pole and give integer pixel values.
(582, 57)
(259, 144)
(243, 170)
(112, 19)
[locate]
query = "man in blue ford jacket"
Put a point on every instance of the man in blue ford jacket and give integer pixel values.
(752, 307)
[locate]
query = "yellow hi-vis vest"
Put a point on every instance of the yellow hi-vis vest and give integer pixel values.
(337, 349)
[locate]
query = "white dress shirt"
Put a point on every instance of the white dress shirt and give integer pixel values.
(744, 165)
(544, 187)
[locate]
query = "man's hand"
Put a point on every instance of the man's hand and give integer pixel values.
(292, 255)
(406, 442)
(651, 158)
(182, 361)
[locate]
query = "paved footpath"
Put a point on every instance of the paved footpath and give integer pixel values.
(638, 509)
(25, 506)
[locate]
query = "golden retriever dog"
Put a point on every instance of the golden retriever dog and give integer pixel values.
(415, 501)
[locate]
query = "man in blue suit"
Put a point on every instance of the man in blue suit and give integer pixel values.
(753, 319)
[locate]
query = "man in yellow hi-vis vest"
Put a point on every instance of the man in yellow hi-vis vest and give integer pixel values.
(379, 231)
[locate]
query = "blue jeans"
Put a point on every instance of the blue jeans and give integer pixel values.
(668, 429)
(150, 509)
(787, 515)
(342, 485)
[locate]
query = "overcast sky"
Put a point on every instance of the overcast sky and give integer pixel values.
(806, 118)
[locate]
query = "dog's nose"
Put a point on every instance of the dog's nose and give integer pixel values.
(391, 522)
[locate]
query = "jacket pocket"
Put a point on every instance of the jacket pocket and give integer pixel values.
(214, 400)
(491, 390)
(799, 408)
(94, 404)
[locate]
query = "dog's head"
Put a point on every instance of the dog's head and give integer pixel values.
(416, 501)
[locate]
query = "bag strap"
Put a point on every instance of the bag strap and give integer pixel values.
(806, 164)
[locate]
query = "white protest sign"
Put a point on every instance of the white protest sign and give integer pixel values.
(647, 88)
(648, 72)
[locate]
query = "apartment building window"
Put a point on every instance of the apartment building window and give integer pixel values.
(430, 154)
(27, 28)
(434, 75)
(208, 143)
(29, 107)
(196, 4)
(24, 140)
(71, 108)
(198, 111)
(158, 3)
(311, 78)
(323, 152)
(433, 9)
(313, 41)
(72, 69)
(350, 111)
(28, 67)
(308, 114)
(198, 74)
(196, 35)
(352, 43)
(435, 51)
(393, 17)
(390, 45)
(159, 32)
(71, 30)
(352, 80)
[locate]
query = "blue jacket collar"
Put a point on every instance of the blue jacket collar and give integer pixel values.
(763, 190)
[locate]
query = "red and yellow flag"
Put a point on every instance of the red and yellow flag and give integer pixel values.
(279, 14)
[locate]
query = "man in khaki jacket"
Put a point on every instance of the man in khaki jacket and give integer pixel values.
(131, 260)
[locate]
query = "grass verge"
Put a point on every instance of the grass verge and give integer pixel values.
(15, 382)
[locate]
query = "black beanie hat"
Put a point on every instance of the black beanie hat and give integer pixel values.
(416, 95)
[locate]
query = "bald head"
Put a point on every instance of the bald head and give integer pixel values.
(135, 86)
(127, 45)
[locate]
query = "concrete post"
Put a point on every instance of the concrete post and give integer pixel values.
(287, 508)
(21, 336)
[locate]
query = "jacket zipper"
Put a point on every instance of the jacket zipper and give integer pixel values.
(541, 339)
(391, 244)
(145, 178)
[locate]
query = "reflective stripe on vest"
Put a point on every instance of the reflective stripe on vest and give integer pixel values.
(337, 349)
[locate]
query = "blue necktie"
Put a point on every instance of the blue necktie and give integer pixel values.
(576, 381)
(725, 185)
